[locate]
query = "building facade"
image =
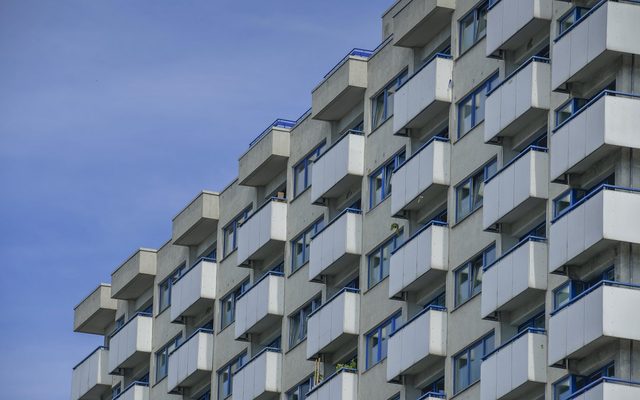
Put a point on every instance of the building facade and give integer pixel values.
(456, 217)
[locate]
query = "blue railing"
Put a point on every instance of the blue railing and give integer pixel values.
(256, 283)
(199, 330)
(591, 289)
(266, 203)
(423, 66)
(261, 352)
(425, 310)
(356, 52)
(530, 238)
(415, 153)
(435, 395)
(593, 100)
(517, 70)
(599, 381)
(418, 232)
(136, 315)
(328, 378)
(579, 20)
(90, 354)
(344, 135)
(592, 193)
(524, 332)
(337, 217)
(341, 291)
(492, 3)
(302, 117)
(516, 158)
(195, 264)
(132, 384)
(278, 123)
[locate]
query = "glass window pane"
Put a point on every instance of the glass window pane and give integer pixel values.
(294, 330)
(462, 284)
(475, 360)
(461, 372)
(562, 389)
(476, 273)
(372, 349)
(376, 188)
(298, 253)
(463, 204)
(299, 178)
(478, 111)
(481, 28)
(478, 190)
(374, 268)
(386, 259)
(466, 33)
(562, 295)
(377, 110)
(466, 116)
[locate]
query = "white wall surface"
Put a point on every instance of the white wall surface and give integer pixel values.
(259, 377)
(341, 163)
(196, 355)
(91, 373)
(334, 320)
(198, 284)
(134, 337)
(506, 18)
(342, 238)
(267, 226)
(262, 300)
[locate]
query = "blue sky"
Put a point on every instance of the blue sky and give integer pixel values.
(113, 115)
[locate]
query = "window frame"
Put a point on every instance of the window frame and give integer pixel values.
(230, 368)
(233, 294)
(165, 352)
(305, 163)
(394, 322)
(467, 352)
(233, 226)
(475, 14)
(585, 380)
(302, 316)
(472, 274)
(576, 104)
(386, 92)
(485, 86)
(385, 171)
(474, 205)
(169, 281)
(394, 241)
(577, 12)
(305, 236)
(296, 390)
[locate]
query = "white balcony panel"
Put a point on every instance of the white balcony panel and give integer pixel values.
(422, 177)
(521, 99)
(516, 278)
(604, 219)
(131, 279)
(267, 155)
(339, 168)
(135, 391)
(197, 221)
(601, 315)
(96, 312)
(511, 23)
(595, 42)
(607, 123)
(419, 21)
(334, 323)
(131, 344)
(611, 390)
(425, 94)
(419, 260)
(264, 232)
(342, 385)
(192, 361)
(90, 378)
(516, 368)
(337, 245)
(260, 306)
(417, 344)
(259, 378)
(517, 189)
(195, 291)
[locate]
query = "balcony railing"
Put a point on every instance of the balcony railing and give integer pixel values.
(131, 343)
(197, 221)
(135, 391)
(419, 21)
(191, 361)
(261, 305)
(264, 232)
(96, 312)
(607, 388)
(341, 385)
(131, 279)
(333, 323)
(267, 155)
(260, 377)
(90, 378)
(195, 290)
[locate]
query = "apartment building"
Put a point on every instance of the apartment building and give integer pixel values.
(455, 217)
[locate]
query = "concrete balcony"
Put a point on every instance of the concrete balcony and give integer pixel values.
(264, 232)
(420, 260)
(197, 221)
(418, 344)
(337, 246)
(96, 312)
(341, 385)
(194, 291)
(260, 377)
(135, 276)
(522, 98)
(135, 391)
(517, 278)
(595, 41)
(339, 168)
(192, 361)
(511, 24)
(609, 389)
(517, 369)
(334, 323)
(520, 187)
(595, 317)
(342, 88)
(267, 155)
(422, 177)
(260, 306)
(425, 94)
(608, 122)
(601, 220)
(417, 23)
(90, 378)
(130, 345)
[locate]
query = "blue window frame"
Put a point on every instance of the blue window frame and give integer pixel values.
(468, 277)
(437, 386)
(302, 170)
(567, 386)
(165, 287)
(539, 230)
(568, 109)
(299, 392)
(228, 304)
(162, 357)
(570, 18)
(380, 179)
(230, 231)
(537, 321)
(225, 375)
(298, 321)
(473, 26)
(379, 259)
(439, 300)
(471, 107)
(470, 192)
(377, 340)
(205, 396)
(382, 103)
(571, 289)
(565, 201)
(301, 244)
(466, 364)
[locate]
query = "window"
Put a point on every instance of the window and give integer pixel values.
(225, 376)
(468, 278)
(439, 300)
(466, 364)
(230, 232)
(377, 340)
(539, 231)
(162, 357)
(379, 259)
(567, 386)
(470, 192)
(116, 390)
(473, 27)
(380, 180)
(301, 244)
(229, 304)
(213, 254)
(298, 322)
(205, 396)
(568, 109)
(571, 289)
(570, 197)
(166, 285)
(471, 108)
(382, 103)
(302, 170)
(437, 386)
(299, 392)
(570, 18)
(536, 321)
